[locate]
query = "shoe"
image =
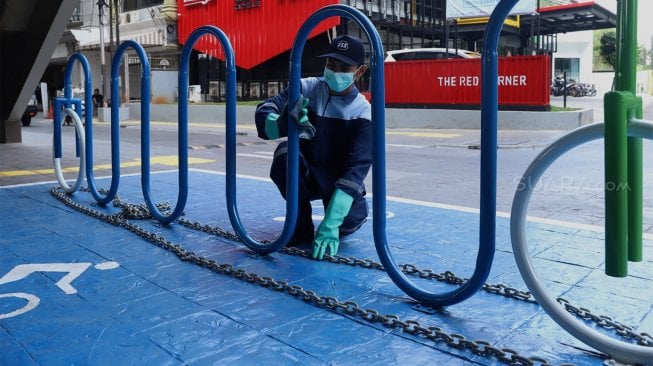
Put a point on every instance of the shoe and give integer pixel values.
(302, 236)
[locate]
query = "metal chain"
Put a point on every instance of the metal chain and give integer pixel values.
(433, 333)
(604, 321)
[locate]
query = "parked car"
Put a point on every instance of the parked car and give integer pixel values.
(30, 111)
(413, 54)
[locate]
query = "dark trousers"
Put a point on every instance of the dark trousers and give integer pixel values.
(313, 187)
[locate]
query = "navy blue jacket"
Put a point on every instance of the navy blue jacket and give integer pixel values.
(341, 150)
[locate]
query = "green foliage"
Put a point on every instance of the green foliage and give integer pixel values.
(598, 63)
(642, 55)
(605, 52)
(608, 48)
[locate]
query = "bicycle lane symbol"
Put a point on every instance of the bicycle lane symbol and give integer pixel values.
(21, 271)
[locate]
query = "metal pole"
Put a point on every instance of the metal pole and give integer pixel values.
(539, 29)
(103, 70)
(623, 155)
(628, 82)
(455, 27)
(111, 44)
(126, 61)
(446, 39)
(564, 90)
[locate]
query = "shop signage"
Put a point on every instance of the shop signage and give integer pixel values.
(522, 80)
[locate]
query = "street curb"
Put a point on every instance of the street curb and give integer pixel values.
(395, 117)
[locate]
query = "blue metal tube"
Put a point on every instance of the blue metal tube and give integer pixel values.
(145, 135)
(232, 206)
(88, 118)
(68, 101)
(115, 123)
(489, 107)
(78, 108)
(56, 108)
(292, 170)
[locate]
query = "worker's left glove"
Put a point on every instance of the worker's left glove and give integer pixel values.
(327, 235)
(300, 113)
(271, 126)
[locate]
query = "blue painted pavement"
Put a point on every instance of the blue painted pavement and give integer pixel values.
(105, 296)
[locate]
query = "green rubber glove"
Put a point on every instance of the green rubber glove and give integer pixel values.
(271, 126)
(300, 113)
(327, 235)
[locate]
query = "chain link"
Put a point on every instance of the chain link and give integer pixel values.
(434, 333)
(604, 321)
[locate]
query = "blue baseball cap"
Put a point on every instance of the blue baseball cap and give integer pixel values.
(347, 49)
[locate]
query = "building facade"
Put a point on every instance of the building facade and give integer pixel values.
(262, 34)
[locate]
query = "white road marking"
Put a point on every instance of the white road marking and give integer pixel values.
(32, 302)
(568, 224)
(256, 156)
(408, 146)
(74, 270)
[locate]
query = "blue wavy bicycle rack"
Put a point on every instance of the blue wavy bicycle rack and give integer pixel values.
(489, 107)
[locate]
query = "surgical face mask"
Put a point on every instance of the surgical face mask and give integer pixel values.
(338, 81)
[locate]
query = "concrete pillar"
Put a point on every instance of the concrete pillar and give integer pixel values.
(10, 132)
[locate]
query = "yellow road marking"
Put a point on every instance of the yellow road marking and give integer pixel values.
(436, 135)
(169, 160)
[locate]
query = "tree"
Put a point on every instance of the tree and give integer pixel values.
(642, 55)
(608, 48)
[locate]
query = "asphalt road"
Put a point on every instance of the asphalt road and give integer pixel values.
(440, 166)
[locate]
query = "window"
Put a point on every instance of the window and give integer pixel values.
(568, 65)
(129, 5)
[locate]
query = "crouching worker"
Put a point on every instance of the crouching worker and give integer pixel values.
(335, 149)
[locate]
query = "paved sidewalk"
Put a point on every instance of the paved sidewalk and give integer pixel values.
(78, 290)
(596, 104)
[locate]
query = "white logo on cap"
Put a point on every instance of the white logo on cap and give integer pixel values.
(343, 45)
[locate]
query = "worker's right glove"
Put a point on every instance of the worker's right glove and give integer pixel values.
(300, 113)
(271, 126)
(327, 236)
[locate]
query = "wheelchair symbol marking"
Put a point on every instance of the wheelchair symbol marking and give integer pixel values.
(32, 302)
(22, 271)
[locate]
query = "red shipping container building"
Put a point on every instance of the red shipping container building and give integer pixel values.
(262, 32)
(257, 29)
(523, 81)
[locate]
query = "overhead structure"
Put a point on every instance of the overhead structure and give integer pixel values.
(33, 27)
